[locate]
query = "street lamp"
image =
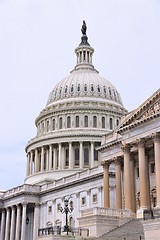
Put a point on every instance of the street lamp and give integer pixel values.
(66, 210)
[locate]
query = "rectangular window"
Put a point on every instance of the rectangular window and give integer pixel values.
(152, 168)
(49, 209)
(137, 171)
(83, 201)
(94, 198)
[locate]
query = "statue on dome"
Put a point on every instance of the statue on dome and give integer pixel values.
(84, 28)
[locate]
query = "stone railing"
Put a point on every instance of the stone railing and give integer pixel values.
(120, 213)
(20, 189)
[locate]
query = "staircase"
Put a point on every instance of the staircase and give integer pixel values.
(132, 230)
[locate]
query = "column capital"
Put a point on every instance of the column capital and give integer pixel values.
(140, 142)
(117, 159)
(106, 164)
(125, 147)
(156, 137)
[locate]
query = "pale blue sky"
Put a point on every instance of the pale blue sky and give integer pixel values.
(37, 42)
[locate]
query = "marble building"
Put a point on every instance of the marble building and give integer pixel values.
(62, 159)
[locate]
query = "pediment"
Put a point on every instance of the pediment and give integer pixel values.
(151, 107)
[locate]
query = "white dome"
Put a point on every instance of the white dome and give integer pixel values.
(84, 83)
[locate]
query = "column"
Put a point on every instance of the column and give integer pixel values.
(28, 165)
(23, 231)
(36, 161)
(31, 163)
(47, 158)
(118, 185)
(157, 166)
(63, 157)
(36, 221)
(127, 179)
(81, 155)
(42, 158)
(100, 196)
(7, 230)
(133, 190)
(55, 158)
(13, 223)
(60, 156)
(92, 154)
(2, 225)
(106, 185)
(50, 157)
(142, 175)
(18, 220)
(70, 156)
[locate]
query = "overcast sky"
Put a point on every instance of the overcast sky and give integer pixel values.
(37, 42)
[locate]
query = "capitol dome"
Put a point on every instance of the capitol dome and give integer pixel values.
(80, 110)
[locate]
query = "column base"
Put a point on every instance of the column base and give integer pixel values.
(140, 212)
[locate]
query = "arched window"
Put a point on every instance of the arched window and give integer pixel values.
(78, 88)
(86, 121)
(103, 122)
(117, 122)
(95, 155)
(92, 88)
(68, 122)
(85, 87)
(86, 156)
(77, 121)
(72, 89)
(60, 123)
(66, 89)
(67, 157)
(111, 123)
(104, 89)
(99, 90)
(48, 126)
(53, 124)
(76, 156)
(110, 94)
(94, 121)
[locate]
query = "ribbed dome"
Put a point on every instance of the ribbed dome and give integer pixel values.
(84, 82)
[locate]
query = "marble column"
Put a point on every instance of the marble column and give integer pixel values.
(23, 230)
(31, 163)
(13, 223)
(133, 187)
(157, 166)
(55, 158)
(36, 221)
(42, 158)
(142, 175)
(118, 184)
(92, 154)
(70, 156)
(7, 230)
(81, 155)
(127, 177)
(18, 220)
(50, 157)
(2, 225)
(106, 185)
(47, 158)
(60, 156)
(28, 165)
(36, 161)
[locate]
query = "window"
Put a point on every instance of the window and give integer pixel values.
(152, 168)
(111, 123)
(58, 207)
(66, 89)
(85, 88)
(94, 121)
(76, 156)
(60, 123)
(86, 156)
(99, 90)
(67, 157)
(49, 209)
(60, 91)
(68, 122)
(95, 155)
(94, 198)
(110, 94)
(53, 124)
(117, 122)
(52, 158)
(86, 121)
(78, 88)
(104, 90)
(77, 121)
(72, 89)
(83, 201)
(92, 88)
(45, 160)
(103, 122)
(137, 169)
(47, 126)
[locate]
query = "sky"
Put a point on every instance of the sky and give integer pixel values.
(37, 42)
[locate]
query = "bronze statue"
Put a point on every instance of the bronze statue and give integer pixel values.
(84, 28)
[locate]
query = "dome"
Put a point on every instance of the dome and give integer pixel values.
(84, 83)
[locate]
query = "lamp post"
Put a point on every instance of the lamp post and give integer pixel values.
(66, 210)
